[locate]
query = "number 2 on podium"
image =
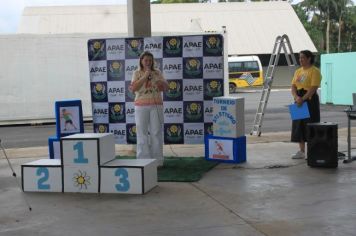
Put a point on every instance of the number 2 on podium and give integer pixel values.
(79, 148)
(40, 182)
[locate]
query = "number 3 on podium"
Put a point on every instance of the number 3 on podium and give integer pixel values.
(124, 184)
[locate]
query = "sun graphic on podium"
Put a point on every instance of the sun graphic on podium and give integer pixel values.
(81, 179)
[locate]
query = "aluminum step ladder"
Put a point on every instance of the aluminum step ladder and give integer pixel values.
(282, 42)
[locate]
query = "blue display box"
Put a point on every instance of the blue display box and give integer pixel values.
(222, 149)
(69, 117)
(54, 147)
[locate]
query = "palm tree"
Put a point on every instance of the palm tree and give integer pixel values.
(323, 8)
(350, 27)
(341, 11)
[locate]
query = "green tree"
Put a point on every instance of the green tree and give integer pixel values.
(313, 27)
(350, 29)
(342, 7)
(323, 11)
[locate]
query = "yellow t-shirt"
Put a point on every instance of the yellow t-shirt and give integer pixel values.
(305, 79)
(149, 93)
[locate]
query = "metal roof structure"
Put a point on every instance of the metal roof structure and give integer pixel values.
(252, 27)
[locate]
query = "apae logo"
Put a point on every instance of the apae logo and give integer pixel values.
(173, 46)
(96, 50)
(134, 47)
(170, 67)
(213, 66)
(174, 133)
(213, 45)
(131, 68)
(119, 132)
(101, 128)
(193, 88)
(114, 91)
(116, 69)
(174, 90)
(172, 110)
(117, 113)
(191, 44)
(194, 111)
(213, 88)
(192, 67)
(151, 46)
(194, 132)
(98, 69)
(98, 91)
(117, 47)
(100, 111)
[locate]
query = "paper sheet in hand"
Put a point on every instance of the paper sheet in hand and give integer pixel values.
(299, 112)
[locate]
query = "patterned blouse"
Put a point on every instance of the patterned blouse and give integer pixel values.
(149, 93)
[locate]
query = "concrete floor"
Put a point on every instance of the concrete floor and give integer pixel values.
(271, 194)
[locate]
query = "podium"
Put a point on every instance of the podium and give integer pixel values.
(88, 165)
(43, 175)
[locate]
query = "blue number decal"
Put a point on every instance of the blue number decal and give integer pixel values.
(81, 159)
(124, 184)
(40, 183)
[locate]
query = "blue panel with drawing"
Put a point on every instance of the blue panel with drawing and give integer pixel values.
(69, 117)
(223, 149)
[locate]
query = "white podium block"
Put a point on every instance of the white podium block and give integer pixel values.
(128, 176)
(91, 149)
(43, 175)
(84, 179)
(228, 117)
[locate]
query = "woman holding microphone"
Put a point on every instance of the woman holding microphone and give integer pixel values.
(148, 83)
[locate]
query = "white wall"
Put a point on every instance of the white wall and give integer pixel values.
(37, 70)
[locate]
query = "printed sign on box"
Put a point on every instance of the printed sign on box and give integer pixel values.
(228, 117)
(230, 150)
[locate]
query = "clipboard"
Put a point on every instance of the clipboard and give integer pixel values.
(299, 112)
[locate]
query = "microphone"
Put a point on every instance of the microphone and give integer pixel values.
(149, 77)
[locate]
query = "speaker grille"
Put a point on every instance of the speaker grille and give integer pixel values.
(322, 145)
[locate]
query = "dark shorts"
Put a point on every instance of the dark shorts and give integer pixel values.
(69, 122)
(299, 127)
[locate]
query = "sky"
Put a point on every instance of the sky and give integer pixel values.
(11, 10)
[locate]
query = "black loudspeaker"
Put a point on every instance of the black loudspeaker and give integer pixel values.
(322, 145)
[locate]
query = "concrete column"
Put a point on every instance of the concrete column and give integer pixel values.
(139, 18)
(138, 22)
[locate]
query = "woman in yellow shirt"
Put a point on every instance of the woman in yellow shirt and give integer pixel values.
(305, 84)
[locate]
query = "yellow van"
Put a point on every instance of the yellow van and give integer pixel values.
(244, 71)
